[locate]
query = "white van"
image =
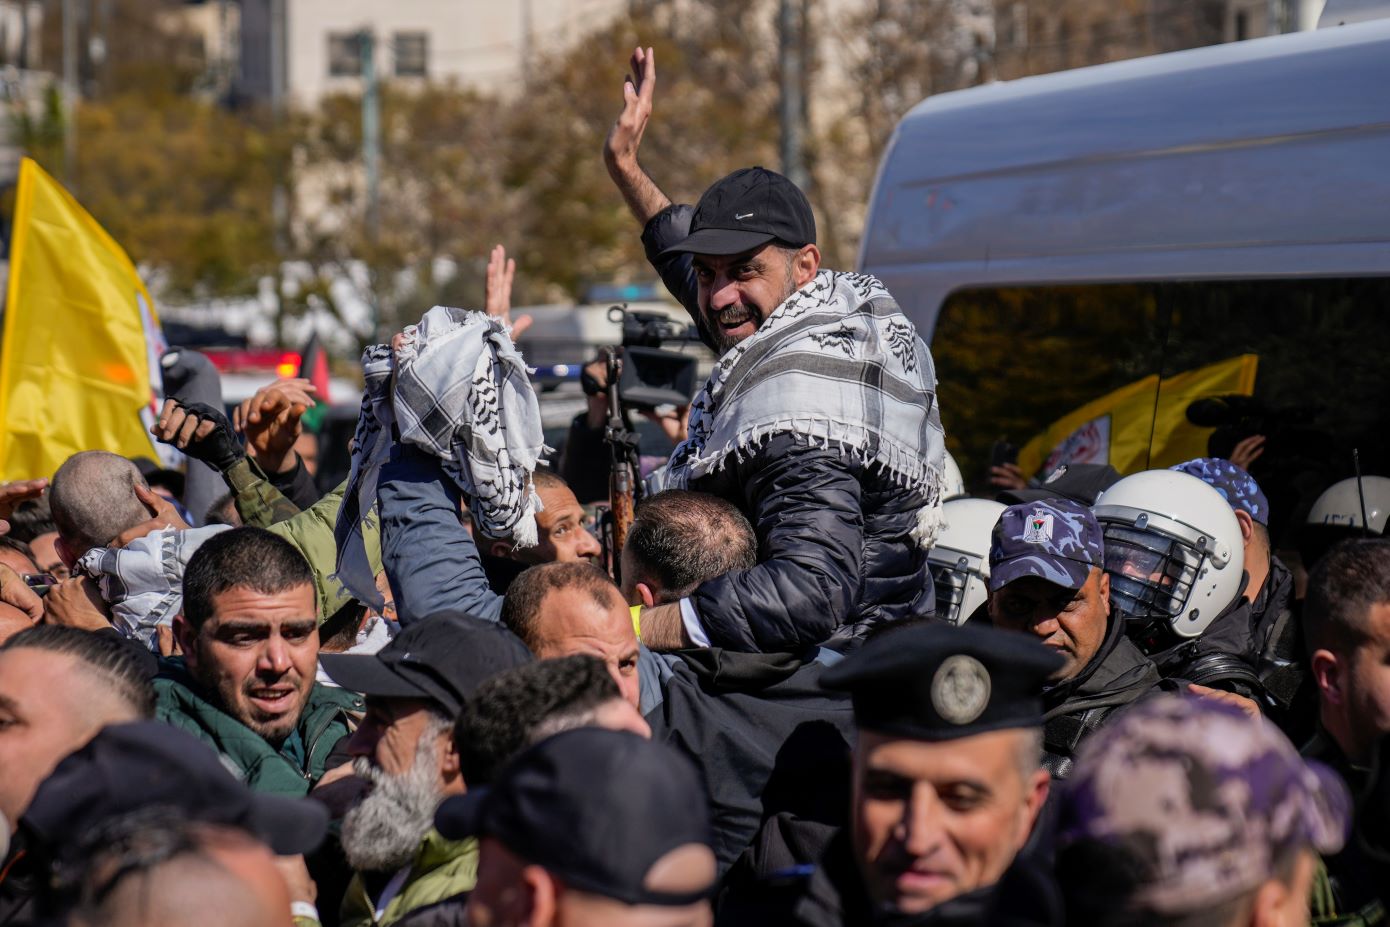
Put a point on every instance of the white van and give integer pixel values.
(1058, 237)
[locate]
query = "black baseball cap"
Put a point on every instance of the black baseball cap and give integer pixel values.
(442, 658)
(936, 682)
(149, 764)
(747, 209)
(594, 807)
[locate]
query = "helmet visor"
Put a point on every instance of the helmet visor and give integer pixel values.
(1150, 575)
(950, 586)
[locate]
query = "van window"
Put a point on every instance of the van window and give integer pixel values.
(1311, 355)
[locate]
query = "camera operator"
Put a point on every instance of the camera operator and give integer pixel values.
(585, 461)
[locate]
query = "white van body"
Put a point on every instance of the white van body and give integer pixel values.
(1261, 159)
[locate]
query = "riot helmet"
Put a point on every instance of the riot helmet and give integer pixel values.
(1174, 552)
(959, 561)
(1336, 516)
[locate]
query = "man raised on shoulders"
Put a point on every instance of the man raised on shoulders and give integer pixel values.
(819, 422)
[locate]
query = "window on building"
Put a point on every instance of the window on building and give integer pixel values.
(412, 54)
(344, 54)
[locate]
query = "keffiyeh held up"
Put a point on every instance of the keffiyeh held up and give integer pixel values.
(461, 394)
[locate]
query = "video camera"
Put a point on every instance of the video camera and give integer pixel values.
(652, 376)
(1289, 432)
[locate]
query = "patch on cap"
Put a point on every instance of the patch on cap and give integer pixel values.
(1039, 528)
(960, 689)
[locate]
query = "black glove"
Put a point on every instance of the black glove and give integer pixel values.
(220, 449)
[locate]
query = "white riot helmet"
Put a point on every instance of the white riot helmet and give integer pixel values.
(959, 561)
(1173, 549)
(1339, 506)
(952, 483)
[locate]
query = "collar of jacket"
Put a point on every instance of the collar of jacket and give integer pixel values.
(1118, 674)
(740, 672)
(183, 702)
(440, 870)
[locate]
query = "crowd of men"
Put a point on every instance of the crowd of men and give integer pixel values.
(817, 685)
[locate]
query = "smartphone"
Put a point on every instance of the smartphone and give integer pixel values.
(40, 582)
(1003, 452)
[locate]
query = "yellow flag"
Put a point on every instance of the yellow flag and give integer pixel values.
(79, 367)
(1115, 428)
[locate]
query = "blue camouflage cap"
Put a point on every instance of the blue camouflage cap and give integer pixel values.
(1056, 539)
(1236, 486)
(1201, 803)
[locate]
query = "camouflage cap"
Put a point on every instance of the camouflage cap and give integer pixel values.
(1056, 539)
(1204, 802)
(1236, 485)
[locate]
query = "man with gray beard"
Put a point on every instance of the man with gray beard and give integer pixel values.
(405, 763)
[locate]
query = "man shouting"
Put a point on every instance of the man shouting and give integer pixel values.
(819, 422)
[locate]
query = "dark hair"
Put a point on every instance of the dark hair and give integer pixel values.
(522, 606)
(242, 558)
(30, 519)
(120, 665)
(1345, 584)
(339, 630)
(520, 706)
(680, 539)
(19, 547)
(548, 479)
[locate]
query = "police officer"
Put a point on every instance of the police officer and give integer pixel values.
(1175, 556)
(947, 784)
(1277, 648)
(1047, 579)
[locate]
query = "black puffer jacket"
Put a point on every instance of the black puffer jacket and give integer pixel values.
(835, 553)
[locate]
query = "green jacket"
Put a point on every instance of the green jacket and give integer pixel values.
(442, 871)
(311, 531)
(183, 703)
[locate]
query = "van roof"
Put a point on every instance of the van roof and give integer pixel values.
(1282, 85)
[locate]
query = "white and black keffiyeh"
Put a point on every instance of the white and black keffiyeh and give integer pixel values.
(840, 365)
(461, 394)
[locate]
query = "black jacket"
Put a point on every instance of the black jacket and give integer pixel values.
(831, 894)
(1118, 675)
(767, 739)
(1223, 657)
(835, 552)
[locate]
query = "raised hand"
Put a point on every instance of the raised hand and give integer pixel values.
(200, 431)
(11, 494)
(639, 191)
(271, 422)
(501, 271)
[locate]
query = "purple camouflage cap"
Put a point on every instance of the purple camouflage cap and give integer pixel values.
(1236, 486)
(1204, 802)
(1056, 539)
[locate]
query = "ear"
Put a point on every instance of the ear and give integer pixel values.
(1104, 588)
(187, 638)
(542, 893)
(1247, 526)
(64, 553)
(448, 755)
(1038, 787)
(645, 592)
(1327, 673)
(502, 550)
(1274, 905)
(805, 265)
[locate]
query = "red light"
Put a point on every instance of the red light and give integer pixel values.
(288, 366)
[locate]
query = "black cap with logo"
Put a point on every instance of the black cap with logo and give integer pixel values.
(442, 659)
(594, 807)
(750, 208)
(149, 764)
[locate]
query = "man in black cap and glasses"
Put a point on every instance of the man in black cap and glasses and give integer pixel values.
(589, 828)
(820, 421)
(404, 753)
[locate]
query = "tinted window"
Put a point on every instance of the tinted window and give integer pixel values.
(1013, 361)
